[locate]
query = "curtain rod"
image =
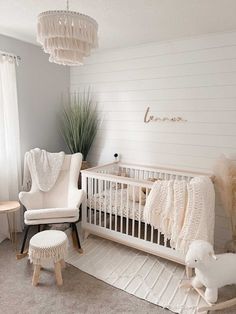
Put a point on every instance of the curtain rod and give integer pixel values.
(7, 54)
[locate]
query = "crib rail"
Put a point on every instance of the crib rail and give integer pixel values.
(144, 172)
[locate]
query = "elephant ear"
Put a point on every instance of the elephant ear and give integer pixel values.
(212, 255)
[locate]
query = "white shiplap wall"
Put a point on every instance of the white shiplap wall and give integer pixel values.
(194, 78)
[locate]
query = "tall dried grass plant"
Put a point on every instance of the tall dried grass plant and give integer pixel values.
(80, 122)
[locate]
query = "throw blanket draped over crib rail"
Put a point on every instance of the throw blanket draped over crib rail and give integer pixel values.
(183, 211)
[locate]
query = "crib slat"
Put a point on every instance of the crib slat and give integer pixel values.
(110, 215)
(165, 240)
(145, 226)
(105, 205)
(121, 206)
(132, 173)
(90, 192)
(139, 210)
(95, 205)
(152, 229)
(133, 210)
(127, 210)
(116, 199)
(158, 237)
(100, 201)
(94, 199)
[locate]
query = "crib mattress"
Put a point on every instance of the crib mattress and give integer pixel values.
(116, 202)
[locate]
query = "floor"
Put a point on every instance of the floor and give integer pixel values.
(80, 292)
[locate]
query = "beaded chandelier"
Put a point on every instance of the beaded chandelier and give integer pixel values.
(67, 36)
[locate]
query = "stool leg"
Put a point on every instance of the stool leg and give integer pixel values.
(63, 264)
(36, 275)
(57, 269)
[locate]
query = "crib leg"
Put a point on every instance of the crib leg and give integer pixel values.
(86, 234)
(189, 272)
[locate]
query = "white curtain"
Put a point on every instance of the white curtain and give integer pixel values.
(10, 167)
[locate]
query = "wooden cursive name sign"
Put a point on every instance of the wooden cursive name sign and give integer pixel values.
(149, 118)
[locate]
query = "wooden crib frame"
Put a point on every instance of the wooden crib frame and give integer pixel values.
(103, 222)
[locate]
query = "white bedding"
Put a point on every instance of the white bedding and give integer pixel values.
(116, 202)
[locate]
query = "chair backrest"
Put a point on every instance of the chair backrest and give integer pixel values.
(67, 179)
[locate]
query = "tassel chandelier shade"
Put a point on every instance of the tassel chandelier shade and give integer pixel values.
(67, 36)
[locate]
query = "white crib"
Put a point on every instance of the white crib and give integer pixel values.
(114, 205)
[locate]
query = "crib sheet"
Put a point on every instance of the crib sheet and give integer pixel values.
(115, 202)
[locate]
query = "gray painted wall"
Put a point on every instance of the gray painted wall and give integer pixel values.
(40, 85)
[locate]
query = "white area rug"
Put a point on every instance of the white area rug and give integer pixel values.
(145, 276)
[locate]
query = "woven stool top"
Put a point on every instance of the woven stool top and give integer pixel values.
(48, 246)
(48, 239)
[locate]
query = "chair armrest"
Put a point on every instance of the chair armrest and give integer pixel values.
(75, 197)
(31, 199)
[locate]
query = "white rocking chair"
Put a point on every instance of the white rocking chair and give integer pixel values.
(59, 205)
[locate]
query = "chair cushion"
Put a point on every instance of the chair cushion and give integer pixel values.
(49, 213)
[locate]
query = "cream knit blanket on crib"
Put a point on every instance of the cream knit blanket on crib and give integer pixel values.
(183, 211)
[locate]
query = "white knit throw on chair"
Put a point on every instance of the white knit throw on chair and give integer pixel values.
(43, 166)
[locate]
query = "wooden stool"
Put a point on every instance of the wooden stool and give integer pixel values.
(46, 247)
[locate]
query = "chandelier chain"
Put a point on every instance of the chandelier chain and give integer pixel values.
(67, 5)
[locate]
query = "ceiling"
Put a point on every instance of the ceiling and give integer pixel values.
(126, 22)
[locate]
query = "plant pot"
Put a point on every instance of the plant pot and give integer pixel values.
(85, 165)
